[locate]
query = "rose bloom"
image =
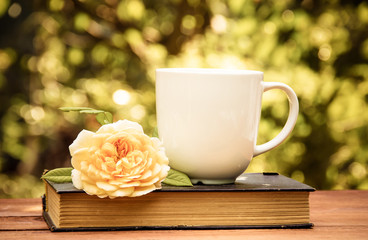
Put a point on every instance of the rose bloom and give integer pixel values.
(118, 160)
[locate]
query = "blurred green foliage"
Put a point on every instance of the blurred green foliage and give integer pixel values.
(103, 54)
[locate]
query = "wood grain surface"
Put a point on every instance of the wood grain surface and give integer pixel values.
(335, 214)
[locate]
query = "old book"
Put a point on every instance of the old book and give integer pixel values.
(255, 200)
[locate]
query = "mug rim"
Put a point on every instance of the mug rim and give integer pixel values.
(206, 71)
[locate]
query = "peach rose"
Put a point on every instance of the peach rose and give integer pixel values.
(118, 160)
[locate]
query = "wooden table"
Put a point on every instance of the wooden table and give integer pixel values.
(335, 214)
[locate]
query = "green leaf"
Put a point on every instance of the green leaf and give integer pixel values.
(59, 175)
(104, 118)
(78, 109)
(176, 178)
(109, 117)
(155, 132)
(91, 111)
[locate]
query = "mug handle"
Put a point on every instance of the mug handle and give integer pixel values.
(290, 123)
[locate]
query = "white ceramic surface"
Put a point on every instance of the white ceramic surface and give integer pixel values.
(208, 120)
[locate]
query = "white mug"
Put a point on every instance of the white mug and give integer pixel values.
(208, 120)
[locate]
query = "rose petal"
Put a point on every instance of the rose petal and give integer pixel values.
(107, 128)
(119, 126)
(105, 176)
(99, 139)
(162, 159)
(132, 184)
(83, 166)
(92, 189)
(83, 140)
(139, 191)
(124, 125)
(146, 175)
(106, 186)
(80, 155)
(87, 179)
(108, 149)
(156, 142)
(156, 169)
(76, 179)
(103, 196)
(150, 182)
(123, 192)
(164, 171)
(92, 171)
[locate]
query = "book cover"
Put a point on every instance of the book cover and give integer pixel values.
(255, 200)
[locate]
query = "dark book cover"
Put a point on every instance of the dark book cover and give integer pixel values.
(247, 182)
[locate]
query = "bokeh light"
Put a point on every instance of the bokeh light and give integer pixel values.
(15, 10)
(121, 97)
